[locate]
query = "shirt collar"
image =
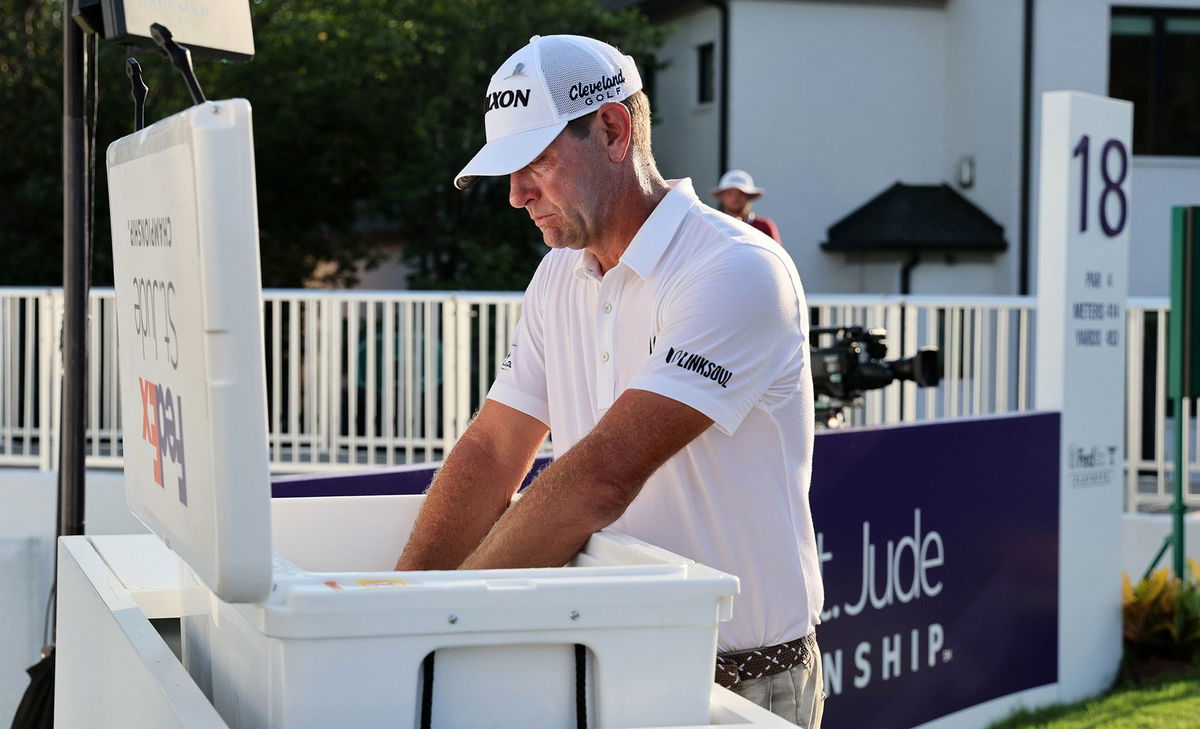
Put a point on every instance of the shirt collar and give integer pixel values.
(652, 239)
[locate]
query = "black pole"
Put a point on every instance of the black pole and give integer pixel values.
(1026, 143)
(906, 273)
(723, 113)
(74, 342)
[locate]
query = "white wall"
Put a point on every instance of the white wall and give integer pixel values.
(983, 121)
(27, 525)
(855, 95)
(1142, 535)
(834, 100)
(1159, 183)
(686, 133)
(1071, 52)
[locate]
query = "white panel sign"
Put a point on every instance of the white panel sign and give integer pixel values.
(189, 326)
(208, 28)
(1083, 260)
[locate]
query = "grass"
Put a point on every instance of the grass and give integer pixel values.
(1167, 704)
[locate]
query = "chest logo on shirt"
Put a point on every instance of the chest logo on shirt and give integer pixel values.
(699, 364)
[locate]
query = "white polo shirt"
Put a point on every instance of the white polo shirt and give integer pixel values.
(710, 312)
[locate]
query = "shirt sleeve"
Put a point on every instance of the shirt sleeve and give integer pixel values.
(732, 336)
(521, 380)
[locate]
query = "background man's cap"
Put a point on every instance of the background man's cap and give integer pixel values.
(538, 90)
(737, 180)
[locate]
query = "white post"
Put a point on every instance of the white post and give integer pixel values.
(49, 387)
(1083, 254)
(449, 373)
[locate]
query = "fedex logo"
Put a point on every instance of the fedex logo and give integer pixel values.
(162, 427)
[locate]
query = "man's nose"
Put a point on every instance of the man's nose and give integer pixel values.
(520, 191)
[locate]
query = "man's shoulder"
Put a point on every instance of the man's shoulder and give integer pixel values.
(722, 251)
(710, 226)
(709, 236)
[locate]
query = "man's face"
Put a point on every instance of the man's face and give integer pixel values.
(733, 200)
(563, 191)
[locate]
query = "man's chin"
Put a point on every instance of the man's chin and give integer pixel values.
(557, 241)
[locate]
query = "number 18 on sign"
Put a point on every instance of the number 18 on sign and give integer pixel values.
(1084, 211)
(1083, 237)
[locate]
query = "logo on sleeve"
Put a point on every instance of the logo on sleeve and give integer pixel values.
(508, 358)
(699, 364)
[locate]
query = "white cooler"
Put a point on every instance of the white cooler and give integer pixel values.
(343, 644)
(313, 629)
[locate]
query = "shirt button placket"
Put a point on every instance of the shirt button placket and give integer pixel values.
(606, 377)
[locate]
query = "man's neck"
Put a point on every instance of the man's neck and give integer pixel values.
(632, 207)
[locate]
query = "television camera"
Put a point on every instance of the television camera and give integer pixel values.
(855, 363)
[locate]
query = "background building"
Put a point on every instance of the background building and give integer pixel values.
(830, 103)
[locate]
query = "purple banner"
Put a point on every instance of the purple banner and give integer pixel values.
(939, 549)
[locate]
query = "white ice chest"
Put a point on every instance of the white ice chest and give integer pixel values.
(313, 629)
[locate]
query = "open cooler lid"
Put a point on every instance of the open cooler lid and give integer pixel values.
(189, 326)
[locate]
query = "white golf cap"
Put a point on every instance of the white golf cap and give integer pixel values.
(538, 90)
(737, 180)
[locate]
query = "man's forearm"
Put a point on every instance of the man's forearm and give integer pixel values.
(553, 519)
(469, 493)
(590, 486)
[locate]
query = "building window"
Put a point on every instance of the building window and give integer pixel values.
(705, 57)
(1152, 61)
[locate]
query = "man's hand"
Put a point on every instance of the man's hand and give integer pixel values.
(473, 488)
(591, 485)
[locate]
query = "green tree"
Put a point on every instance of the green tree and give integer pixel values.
(30, 143)
(364, 111)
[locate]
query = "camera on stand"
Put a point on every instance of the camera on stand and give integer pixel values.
(855, 363)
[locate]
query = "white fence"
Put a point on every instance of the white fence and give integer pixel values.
(376, 378)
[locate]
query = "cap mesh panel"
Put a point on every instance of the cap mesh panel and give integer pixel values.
(565, 64)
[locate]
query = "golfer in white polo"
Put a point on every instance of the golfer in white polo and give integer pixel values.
(665, 345)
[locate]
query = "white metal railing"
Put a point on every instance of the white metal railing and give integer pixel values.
(358, 378)
(1150, 416)
(29, 335)
(362, 378)
(986, 345)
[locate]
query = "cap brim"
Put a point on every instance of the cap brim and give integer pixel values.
(506, 155)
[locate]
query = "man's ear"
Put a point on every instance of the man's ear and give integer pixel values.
(616, 130)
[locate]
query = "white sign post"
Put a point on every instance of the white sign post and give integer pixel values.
(1083, 258)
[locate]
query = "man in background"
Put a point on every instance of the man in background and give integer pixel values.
(735, 193)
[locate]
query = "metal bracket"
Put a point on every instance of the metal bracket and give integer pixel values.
(139, 89)
(181, 59)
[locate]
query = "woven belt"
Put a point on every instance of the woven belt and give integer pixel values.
(733, 668)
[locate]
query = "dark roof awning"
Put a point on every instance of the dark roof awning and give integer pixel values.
(910, 218)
